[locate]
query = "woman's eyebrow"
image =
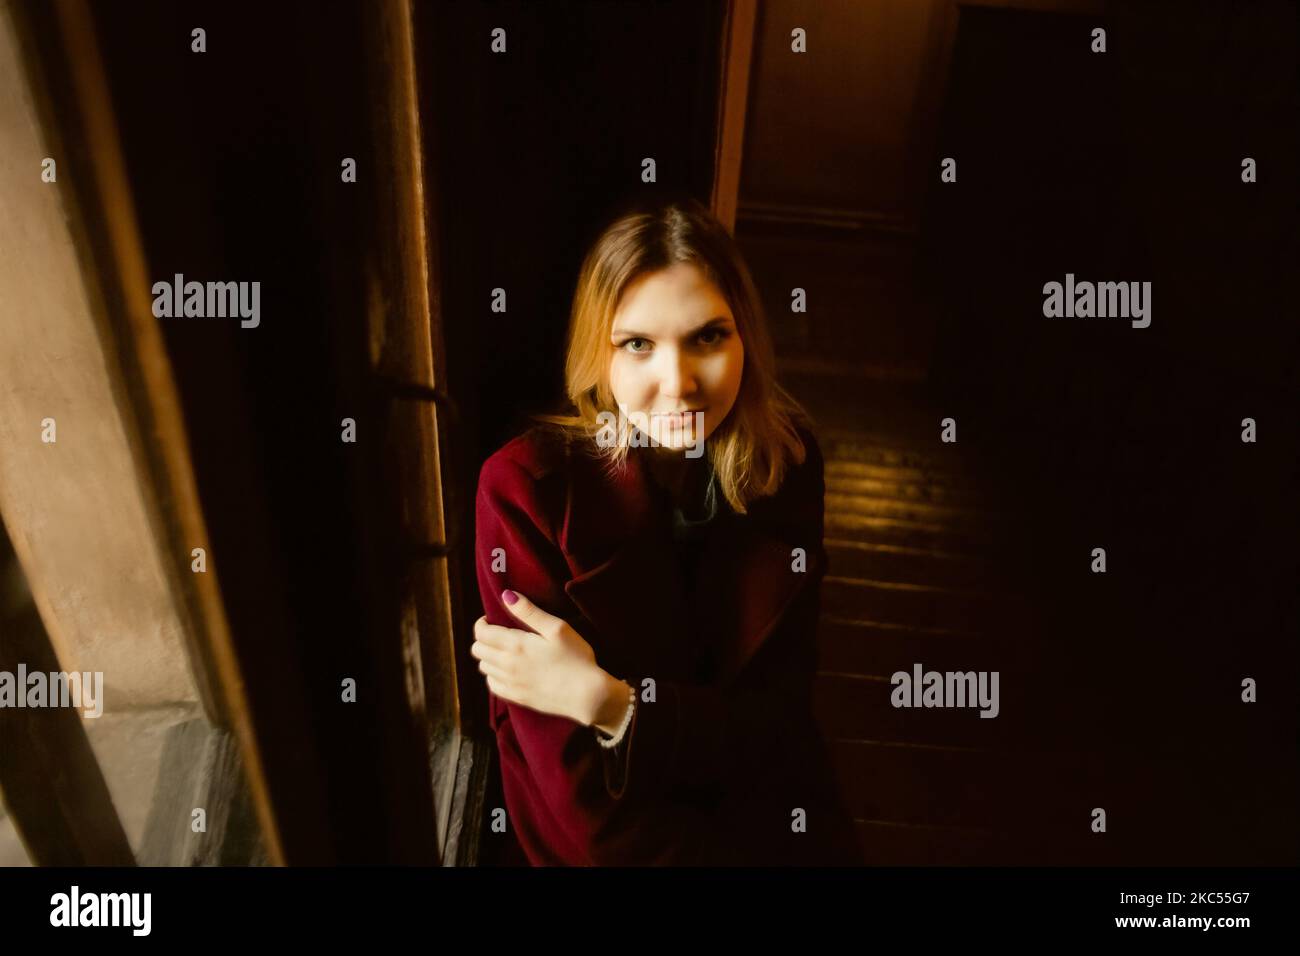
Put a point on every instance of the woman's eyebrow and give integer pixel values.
(718, 320)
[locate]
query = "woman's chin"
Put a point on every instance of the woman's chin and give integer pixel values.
(677, 439)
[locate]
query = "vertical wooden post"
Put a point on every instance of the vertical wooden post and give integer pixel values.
(733, 98)
(408, 356)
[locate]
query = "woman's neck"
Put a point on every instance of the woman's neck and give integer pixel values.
(683, 478)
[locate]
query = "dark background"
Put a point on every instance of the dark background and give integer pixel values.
(1120, 437)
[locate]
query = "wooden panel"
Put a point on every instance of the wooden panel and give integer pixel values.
(77, 110)
(859, 708)
(200, 768)
(56, 794)
(880, 562)
(408, 356)
(827, 139)
(82, 508)
(843, 134)
(733, 98)
(850, 647)
(915, 605)
(942, 786)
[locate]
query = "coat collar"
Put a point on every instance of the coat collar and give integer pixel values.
(617, 536)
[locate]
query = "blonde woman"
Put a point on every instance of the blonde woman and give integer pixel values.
(650, 565)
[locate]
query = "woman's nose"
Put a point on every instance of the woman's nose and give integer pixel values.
(678, 377)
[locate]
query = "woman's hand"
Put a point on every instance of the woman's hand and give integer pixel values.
(550, 669)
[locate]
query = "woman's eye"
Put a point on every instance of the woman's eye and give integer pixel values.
(708, 337)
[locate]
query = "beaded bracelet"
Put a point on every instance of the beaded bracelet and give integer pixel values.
(609, 743)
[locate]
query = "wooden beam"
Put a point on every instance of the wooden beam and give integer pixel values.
(52, 784)
(412, 357)
(72, 94)
(738, 27)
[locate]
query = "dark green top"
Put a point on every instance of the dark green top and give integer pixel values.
(692, 529)
(688, 535)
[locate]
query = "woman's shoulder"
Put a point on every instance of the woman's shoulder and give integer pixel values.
(522, 484)
(799, 500)
(539, 451)
(812, 462)
(529, 473)
(808, 474)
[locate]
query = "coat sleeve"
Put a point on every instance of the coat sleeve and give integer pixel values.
(564, 793)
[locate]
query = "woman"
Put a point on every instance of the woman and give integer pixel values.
(650, 568)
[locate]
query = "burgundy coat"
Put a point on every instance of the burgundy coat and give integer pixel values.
(714, 772)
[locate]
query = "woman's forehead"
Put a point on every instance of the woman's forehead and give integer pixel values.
(677, 299)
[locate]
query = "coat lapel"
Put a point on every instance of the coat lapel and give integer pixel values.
(750, 571)
(627, 582)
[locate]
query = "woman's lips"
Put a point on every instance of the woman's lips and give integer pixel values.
(678, 419)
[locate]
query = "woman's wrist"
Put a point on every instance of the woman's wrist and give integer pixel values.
(611, 703)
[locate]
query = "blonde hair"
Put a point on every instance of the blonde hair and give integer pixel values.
(753, 446)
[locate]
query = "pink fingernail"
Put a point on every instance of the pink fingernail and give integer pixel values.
(510, 597)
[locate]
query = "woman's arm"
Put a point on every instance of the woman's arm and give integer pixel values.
(612, 704)
(563, 792)
(569, 790)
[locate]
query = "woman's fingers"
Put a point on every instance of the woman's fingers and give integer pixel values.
(498, 651)
(530, 614)
(494, 635)
(491, 670)
(503, 690)
(499, 648)
(485, 652)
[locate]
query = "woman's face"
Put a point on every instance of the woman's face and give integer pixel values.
(676, 349)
